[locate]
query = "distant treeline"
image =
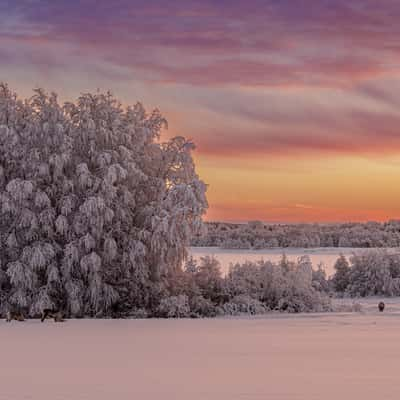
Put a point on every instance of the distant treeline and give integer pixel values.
(258, 235)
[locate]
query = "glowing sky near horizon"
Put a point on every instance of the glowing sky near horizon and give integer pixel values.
(293, 105)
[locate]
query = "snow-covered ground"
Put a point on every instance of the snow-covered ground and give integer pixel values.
(314, 356)
(326, 255)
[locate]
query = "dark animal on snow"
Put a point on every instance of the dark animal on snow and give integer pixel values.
(381, 306)
(49, 313)
(18, 316)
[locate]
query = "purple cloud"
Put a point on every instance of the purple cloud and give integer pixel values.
(258, 43)
(301, 49)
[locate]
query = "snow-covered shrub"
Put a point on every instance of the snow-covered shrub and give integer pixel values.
(244, 279)
(174, 307)
(283, 286)
(201, 307)
(94, 209)
(201, 282)
(244, 304)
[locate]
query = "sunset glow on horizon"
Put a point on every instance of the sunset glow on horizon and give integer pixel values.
(294, 106)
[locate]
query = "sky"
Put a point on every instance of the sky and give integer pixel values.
(293, 104)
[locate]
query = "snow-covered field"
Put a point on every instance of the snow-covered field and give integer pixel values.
(326, 255)
(314, 356)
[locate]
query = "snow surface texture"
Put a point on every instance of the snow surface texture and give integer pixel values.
(306, 356)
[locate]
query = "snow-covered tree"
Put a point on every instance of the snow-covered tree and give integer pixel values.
(319, 279)
(94, 208)
(341, 278)
(370, 274)
(209, 279)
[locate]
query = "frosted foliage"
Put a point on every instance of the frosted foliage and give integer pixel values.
(53, 274)
(40, 301)
(61, 225)
(95, 210)
(20, 275)
(284, 286)
(174, 307)
(91, 264)
(110, 249)
(248, 288)
(19, 190)
(67, 205)
(42, 200)
(87, 242)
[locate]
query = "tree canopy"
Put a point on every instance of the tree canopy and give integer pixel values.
(94, 208)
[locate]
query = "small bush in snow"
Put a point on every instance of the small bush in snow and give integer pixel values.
(174, 307)
(202, 307)
(243, 304)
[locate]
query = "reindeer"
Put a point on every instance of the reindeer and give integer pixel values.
(381, 306)
(50, 313)
(17, 315)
